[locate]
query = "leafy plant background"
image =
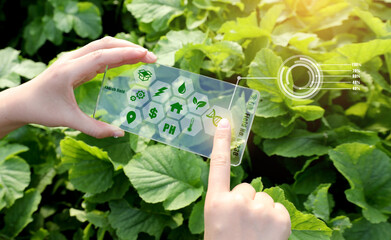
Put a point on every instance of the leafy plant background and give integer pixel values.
(327, 159)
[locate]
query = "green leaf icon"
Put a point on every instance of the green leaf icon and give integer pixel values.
(200, 104)
(195, 100)
(182, 89)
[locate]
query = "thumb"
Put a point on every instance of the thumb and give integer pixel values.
(95, 128)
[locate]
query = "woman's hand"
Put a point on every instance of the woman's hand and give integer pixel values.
(49, 99)
(241, 213)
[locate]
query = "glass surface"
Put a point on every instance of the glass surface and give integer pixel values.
(176, 107)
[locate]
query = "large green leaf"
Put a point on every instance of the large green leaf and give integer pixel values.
(320, 203)
(364, 230)
(14, 178)
(29, 69)
(117, 191)
(168, 175)
(304, 226)
(90, 168)
(368, 171)
(87, 22)
(271, 127)
(8, 60)
(297, 143)
(363, 52)
(10, 150)
(20, 214)
(34, 36)
(309, 113)
(196, 219)
(12, 67)
(118, 149)
(129, 222)
(158, 12)
(263, 73)
(168, 45)
(242, 28)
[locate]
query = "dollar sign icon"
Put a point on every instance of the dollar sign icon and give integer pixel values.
(153, 113)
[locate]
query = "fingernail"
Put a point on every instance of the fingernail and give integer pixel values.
(118, 133)
(150, 57)
(224, 123)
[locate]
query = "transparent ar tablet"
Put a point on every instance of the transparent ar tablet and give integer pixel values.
(176, 107)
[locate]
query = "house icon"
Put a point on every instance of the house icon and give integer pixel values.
(176, 106)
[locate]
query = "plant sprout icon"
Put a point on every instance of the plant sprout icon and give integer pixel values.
(144, 75)
(199, 104)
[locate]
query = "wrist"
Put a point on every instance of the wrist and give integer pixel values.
(11, 104)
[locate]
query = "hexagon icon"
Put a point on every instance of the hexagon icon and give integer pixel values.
(137, 96)
(153, 112)
(182, 87)
(212, 117)
(160, 91)
(131, 117)
(144, 75)
(191, 124)
(169, 128)
(198, 103)
(176, 108)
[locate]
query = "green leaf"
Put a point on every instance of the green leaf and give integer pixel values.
(348, 134)
(128, 222)
(29, 69)
(272, 127)
(12, 67)
(168, 175)
(87, 22)
(304, 226)
(367, 170)
(34, 36)
(309, 113)
(64, 16)
(297, 143)
(339, 225)
(14, 178)
(90, 168)
(8, 60)
(242, 28)
(270, 105)
(374, 23)
(117, 191)
(52, 33)
(266, 64)
(358, 109)
(20, 214)
(168, 45)
(269, 20)
(119, 149)
(310, 176)
(257, 184)
(363, 52)
(320, 203)
(10, 150)
(364, 230)
(196, 219)
(157, 12)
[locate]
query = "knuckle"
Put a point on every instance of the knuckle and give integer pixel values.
(221, 135)
(219, 159)
(97, 55)
(107, 39)
(239, 199)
